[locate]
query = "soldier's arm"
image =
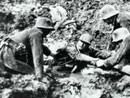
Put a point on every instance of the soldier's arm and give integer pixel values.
(86, 58)
(121, 52)
(102, 54)
(36, 41)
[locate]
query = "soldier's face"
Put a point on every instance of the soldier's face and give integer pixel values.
(109, 20)
(116, 45)
(46, 32)
(81, 45)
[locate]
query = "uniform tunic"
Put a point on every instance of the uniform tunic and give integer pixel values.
(121, 56)
(32, 38)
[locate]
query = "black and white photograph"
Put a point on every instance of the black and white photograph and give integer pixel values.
(64, 48)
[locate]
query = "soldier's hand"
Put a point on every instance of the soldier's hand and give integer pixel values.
(93, 62)
(79, 57)
(100, 63)
(113, 52)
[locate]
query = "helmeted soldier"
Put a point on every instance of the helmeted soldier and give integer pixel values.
(86, 54)
(32, 40)
(120, 58)
(117, 19)
(112, 16)
(84, 46)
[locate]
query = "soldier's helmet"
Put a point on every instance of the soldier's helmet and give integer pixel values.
(87, 38)
(120, 34)
(107, 11)
(44, 22)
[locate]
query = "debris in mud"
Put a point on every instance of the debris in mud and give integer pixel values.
(25, 86)
(67, 88)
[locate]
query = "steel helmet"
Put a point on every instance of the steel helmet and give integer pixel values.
(86, 38)
(108, 11)
(44, 22)
(120, 34)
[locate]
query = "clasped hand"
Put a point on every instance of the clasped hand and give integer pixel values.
(100, 63)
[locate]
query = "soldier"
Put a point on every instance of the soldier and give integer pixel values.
(86, 54)
(85, 50)
(112, 16)
(31, 40)
(120, 58)
(117, 19)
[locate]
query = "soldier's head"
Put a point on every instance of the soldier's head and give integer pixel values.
(120, 34)
(84, 41)
(45, 24)
(108, 14)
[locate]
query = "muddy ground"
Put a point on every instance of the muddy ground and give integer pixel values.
(87, 83)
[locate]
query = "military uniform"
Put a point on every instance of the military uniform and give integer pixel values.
(84, 47)
(123, 20)
(121, 56)
(87, 54)
(102, 54)
(112, 16)
(32, 39)
(118, 19)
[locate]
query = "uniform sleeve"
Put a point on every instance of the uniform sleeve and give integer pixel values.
(102, 54)
(36, 41)
(121, 52)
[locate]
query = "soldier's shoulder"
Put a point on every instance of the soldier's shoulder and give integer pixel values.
(34, 30)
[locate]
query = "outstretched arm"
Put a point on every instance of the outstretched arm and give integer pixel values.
(86, 58)
(116, 57)
(121, 52)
